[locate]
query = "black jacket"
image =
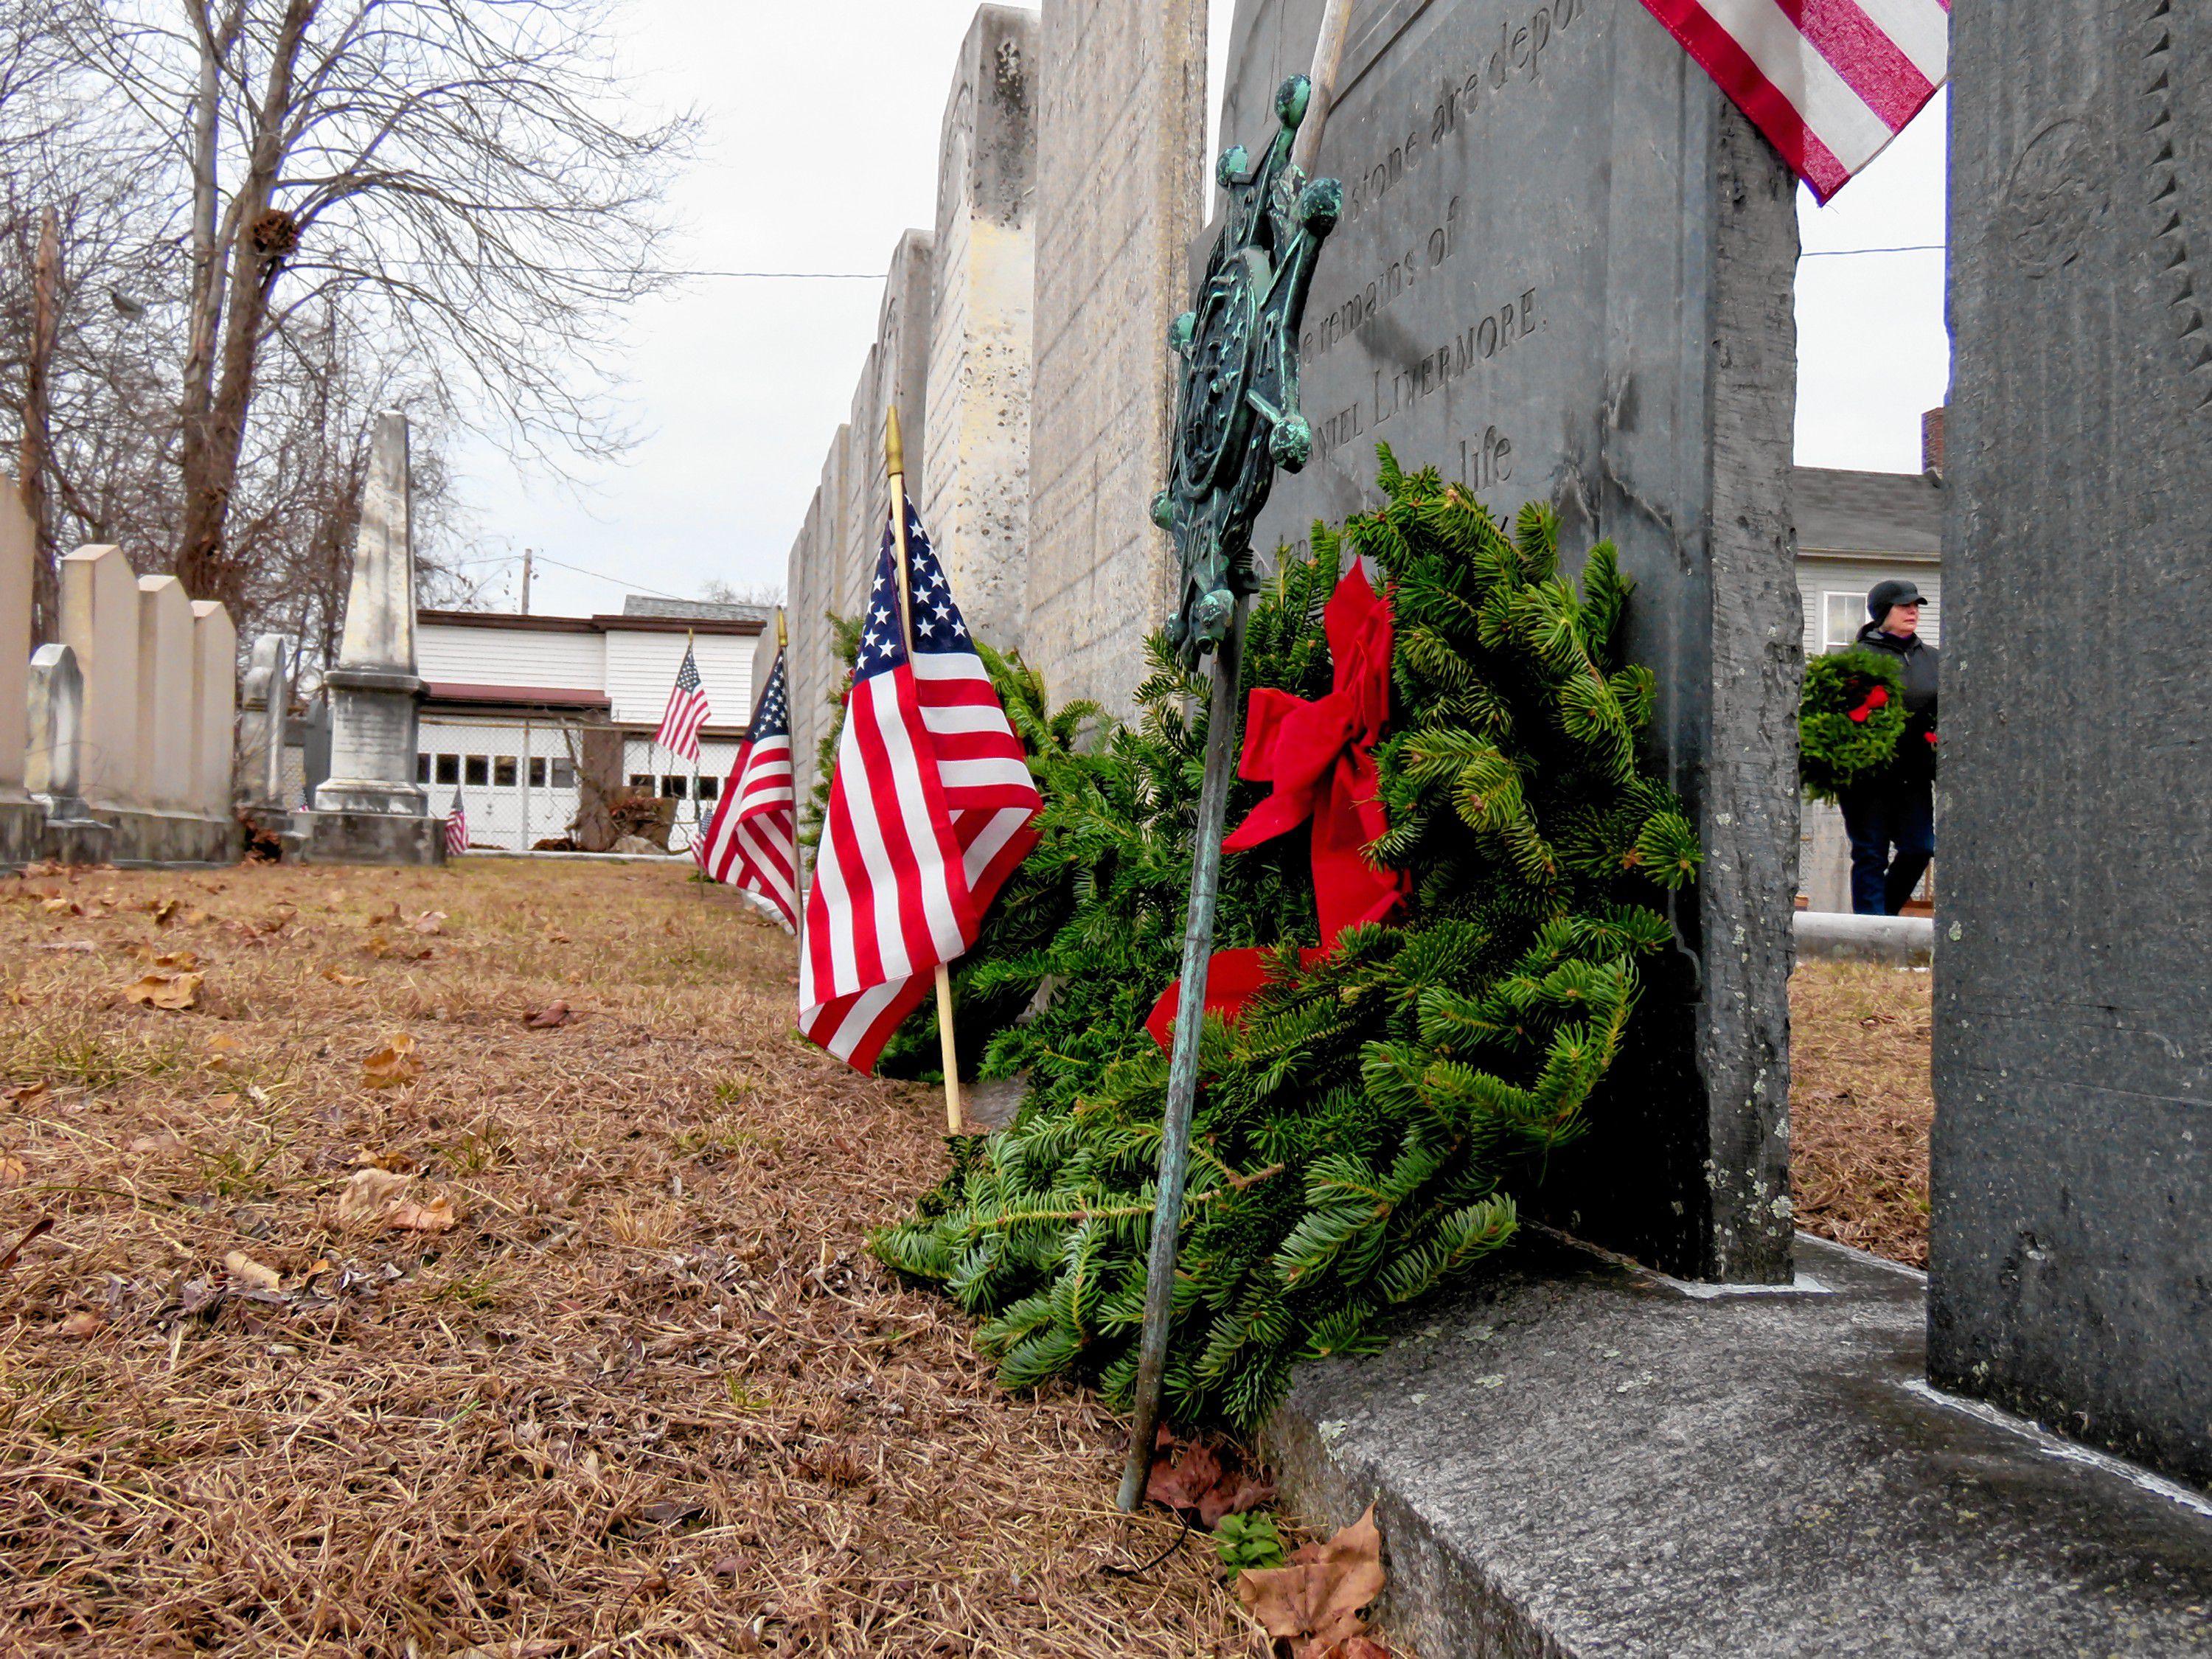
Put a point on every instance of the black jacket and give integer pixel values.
(1916, 659)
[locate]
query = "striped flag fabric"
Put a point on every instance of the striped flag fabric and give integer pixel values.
(457, 828)
(1829, 82)
(752, 842)
(930, 810)
(687, 711)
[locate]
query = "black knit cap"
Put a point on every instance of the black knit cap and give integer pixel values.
(1886, 596)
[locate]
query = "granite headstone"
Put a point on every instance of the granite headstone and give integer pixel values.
(2071, 1266)
(1564, 275)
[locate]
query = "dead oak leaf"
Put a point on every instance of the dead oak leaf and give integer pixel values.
(1204, 1481)
(83, 1325)
(393, 1065)
(546, 1018)
(435, 1216)
(368, 1194)
(162, 909)
(430, 921)
(62, 907)
(390, 1163)
(13, 1171)
(338, 978)
(1314, 1603)
(172, 991)
(165, 1142)
(30, 1094)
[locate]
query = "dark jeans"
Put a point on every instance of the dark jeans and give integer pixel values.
(1881, 816)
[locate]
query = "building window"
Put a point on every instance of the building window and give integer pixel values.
(538, 771)
(449, 768)
(479, 769)
(640, 780)
(422, 769)
(675, 787)
(564, 773)
(709, 788)
(1842, 616)
(502, 772)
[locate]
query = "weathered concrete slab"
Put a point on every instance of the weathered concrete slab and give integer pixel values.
(975, 460)
(1839, 936)
(1119, 178)
(1575, 1458)
(215, 709)
(1564, 275)
(2073, 1153)
(381, 838)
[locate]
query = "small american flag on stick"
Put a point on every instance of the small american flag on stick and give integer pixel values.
(752, 842)
(1830, 83)
(687, 710)
(457, 828)
(929, 812)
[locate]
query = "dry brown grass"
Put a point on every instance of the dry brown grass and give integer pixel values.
(650, 1396)
(1861, 1105)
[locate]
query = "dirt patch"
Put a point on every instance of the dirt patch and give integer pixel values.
(1861, 1105)
(547, 1335)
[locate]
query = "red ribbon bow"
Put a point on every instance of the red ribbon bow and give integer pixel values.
(1320, 757)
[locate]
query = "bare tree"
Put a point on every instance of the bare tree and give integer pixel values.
(460, 179)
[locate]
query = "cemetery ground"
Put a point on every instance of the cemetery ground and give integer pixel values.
(475, 1261)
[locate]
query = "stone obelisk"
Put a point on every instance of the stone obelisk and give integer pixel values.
(370, 810)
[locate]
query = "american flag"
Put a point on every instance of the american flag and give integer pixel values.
(752, 842)
(929, 811)
(1830, 81)
(687, 711)
(457, 828)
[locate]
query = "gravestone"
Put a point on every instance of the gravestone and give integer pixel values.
(20, 820)
(2072, 1152)
(973, 479)
(215, 708)
(56, 757)
(99, 624)
(1122, 92)
(370, 810)
(166, 678)
(267, 694)
(1564, 275)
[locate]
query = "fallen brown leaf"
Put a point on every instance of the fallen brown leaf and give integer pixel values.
(368, 1194)
(222, 1054)
(164, 990)
(1314, 1603)
(394, 1064)
(430, 921)
(163, 910)
(62, 907)
(1204, 1481)
(546, 1018)
(13, 1172)
(338, 978)
(246, 1271)
(163, 1142)
(435, 1216)
(82, 1325)
(390, 1163)
(30, 1094)
(169, 959)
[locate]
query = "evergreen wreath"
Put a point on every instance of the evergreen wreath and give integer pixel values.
(1362, 1130)
(1849, 721)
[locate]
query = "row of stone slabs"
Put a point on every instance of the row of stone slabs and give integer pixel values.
(1565, 275)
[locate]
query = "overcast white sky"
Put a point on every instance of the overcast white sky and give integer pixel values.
(821, 148)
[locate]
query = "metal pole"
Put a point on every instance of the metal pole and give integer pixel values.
(1182, 1068)
(525, 581)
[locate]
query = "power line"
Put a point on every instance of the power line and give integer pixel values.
(1853, 252)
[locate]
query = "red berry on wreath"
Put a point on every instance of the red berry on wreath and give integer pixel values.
(1858, 716)
(1878, 698)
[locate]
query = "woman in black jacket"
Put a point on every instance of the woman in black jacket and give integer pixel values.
(1891, 819)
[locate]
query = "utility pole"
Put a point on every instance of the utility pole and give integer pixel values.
(45, 283)
(525, 581)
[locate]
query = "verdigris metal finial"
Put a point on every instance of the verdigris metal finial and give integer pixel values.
(1237, 416)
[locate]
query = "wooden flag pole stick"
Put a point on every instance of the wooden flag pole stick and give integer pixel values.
(895, 463)
(1328, 60)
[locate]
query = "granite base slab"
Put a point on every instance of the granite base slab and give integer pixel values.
(20, 821)
(1577, 1457)
(142, 838)
(381, 838)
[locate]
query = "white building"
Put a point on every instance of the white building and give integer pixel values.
(522, 710)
